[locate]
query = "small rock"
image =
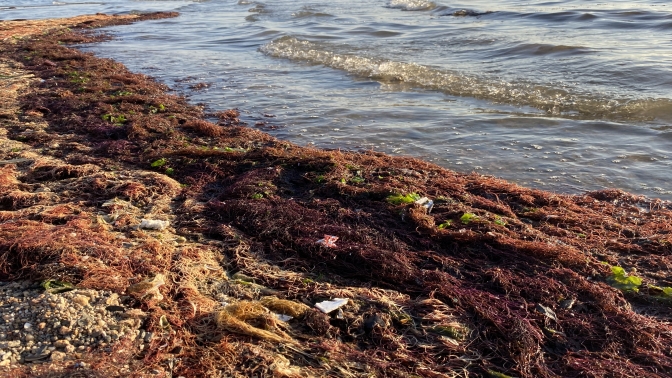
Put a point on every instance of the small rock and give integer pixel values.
(81, 300)
(113, 300)
(115, 308)
(85, 321)
(41, 354)
(567, 303)
(58, 356)
(10, 344)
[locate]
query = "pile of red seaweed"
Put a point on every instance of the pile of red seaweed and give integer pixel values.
(495, 280)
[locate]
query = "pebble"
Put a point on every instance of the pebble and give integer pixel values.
(36, 326)
(148, 337)
(58, 356)
(81, 300)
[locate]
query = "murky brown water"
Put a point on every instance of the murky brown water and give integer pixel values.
(565, 95)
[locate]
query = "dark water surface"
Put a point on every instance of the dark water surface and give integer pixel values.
(560, 95)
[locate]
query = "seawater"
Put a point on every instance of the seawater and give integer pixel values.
(567, 95)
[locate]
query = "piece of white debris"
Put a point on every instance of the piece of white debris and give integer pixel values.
(426, 203)
(153, 224)
(329, 306)
(284, 318)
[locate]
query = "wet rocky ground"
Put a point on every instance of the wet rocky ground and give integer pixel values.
(37, 325)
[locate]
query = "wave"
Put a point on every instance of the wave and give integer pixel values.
(412, 5)
(467, 13)
(307, 13)
(553, 101)
(534, 49)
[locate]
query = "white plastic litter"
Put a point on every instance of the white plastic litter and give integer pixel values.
(153, 224)
(329, 306)
(284, 318)
(426, 202)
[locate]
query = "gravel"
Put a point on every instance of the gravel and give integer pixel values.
(37, 326)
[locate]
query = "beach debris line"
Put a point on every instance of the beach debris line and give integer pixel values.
(469, 290)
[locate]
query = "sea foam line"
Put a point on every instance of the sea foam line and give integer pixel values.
(552, 100)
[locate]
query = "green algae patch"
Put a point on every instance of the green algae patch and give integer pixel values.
(402, 199)
(622, 281)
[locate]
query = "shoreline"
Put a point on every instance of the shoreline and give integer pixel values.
(204, 230)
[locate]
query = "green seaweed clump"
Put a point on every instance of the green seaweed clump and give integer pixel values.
(159, 163)
(622, 281)
(445, 224)
(468, 218)
(399, 199)
(56, 287)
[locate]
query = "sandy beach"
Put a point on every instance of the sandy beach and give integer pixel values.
(143, 236)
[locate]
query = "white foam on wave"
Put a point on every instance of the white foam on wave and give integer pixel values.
(553, 101)
(412, 5)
